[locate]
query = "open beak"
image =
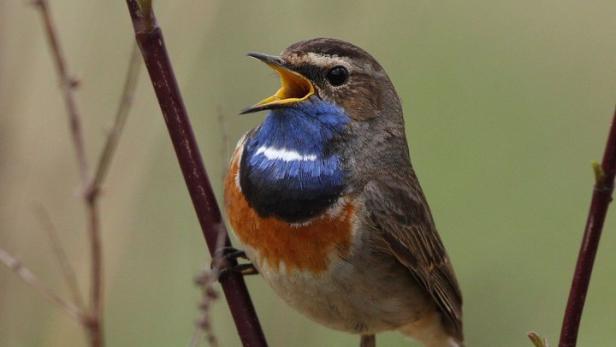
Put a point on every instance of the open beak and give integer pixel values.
(294, 87)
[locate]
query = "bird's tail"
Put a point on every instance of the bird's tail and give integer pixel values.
(430, 331)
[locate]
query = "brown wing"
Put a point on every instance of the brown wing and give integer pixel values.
(399, 213)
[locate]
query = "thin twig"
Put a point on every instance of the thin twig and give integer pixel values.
(92, 194)
(68, 272)
(91, 186)
(67, 84)
(601, 198)
(93, 323)
(206, 281)
(150, 39)
(93, 191)
(126, 101)
(30, 279)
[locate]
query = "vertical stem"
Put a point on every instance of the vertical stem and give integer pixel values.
(152, 45)
(602, 196)
(95, 322)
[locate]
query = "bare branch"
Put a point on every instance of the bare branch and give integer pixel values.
(67, 84)
(206, 281)
(30, 279)
(65, 266)
(150, 39)
(126, 101)
(92, 194)
(93, 323)
(601, 198)
(93, 319)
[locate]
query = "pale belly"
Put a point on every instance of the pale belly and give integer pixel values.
(351, 295)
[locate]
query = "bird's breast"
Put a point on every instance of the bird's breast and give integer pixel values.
(282, 245)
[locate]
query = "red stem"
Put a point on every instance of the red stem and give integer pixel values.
(602, 196)
(150, 40)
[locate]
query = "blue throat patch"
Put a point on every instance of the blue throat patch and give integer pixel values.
(289, 167)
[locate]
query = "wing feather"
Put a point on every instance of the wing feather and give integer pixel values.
(399, 213)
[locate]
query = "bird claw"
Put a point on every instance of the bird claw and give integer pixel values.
(242, 269)
(231, 253)
(227, 263)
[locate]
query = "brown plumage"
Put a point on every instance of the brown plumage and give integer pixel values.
(402, 218)
(394, 273)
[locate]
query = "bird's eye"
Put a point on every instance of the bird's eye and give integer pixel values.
(337, 75)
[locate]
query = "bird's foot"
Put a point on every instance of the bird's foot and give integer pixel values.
(225, 262)
(242, 269)
(232, 253)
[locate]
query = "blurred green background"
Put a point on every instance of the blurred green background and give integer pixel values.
(507, 103)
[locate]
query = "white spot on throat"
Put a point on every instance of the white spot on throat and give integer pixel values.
(284, 154)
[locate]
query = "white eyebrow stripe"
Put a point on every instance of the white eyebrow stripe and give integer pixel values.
(320, 60)
(284, 154)
(327, 60)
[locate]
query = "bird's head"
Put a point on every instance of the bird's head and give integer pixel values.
(331, 71)
(334, 123)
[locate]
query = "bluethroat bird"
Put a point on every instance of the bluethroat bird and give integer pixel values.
(326, 205)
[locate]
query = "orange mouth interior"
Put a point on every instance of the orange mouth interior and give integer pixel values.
(294, 88)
